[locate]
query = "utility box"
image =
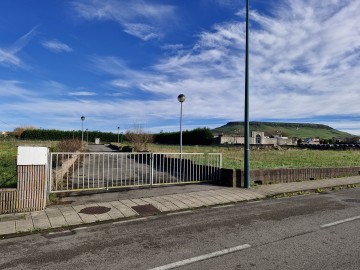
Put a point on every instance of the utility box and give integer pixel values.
(29, 155)
(97, 140)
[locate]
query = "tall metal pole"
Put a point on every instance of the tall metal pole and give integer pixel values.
(118, 134)
(247, 126)
(180, 128)
(82, 131)
(181, 99)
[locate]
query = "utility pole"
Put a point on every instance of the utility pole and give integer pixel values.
(246, 122)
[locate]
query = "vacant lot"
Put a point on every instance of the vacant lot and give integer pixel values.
(233, 157)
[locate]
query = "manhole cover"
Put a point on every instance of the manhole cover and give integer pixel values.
(95, 210)
(352, 200)
(146, 210)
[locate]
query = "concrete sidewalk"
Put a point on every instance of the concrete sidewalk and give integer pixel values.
(127, 204)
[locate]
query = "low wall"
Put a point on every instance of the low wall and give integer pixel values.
(29, 194)
(235, 178)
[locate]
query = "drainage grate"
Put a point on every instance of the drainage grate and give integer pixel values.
(95, 210)
(146, 210)
(352, 200)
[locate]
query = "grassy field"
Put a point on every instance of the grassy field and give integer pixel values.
(8, 155)
(8, 163)
(233, 157)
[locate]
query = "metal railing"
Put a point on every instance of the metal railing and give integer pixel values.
(89, 171)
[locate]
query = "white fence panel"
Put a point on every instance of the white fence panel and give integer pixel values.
(90, 171)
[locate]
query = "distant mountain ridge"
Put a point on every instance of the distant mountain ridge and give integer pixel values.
(300, 130)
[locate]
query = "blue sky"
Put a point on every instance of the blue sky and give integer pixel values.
(124, 62)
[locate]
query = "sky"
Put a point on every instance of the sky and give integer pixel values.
(122, 63)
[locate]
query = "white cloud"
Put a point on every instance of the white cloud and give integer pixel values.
(303, 65)
(172, 47)
(142, 31)
(139, 18)
(82, 93)
(303, 60)
(9, 57)
(56, 46)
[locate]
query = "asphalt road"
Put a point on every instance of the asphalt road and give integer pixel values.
(290, 233)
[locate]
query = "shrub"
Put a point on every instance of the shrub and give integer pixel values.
(68, 146)
(139, 138)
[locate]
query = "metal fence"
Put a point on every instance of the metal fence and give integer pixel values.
(88, 171)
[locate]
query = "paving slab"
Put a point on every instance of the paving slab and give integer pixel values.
(157, 204)
(124, 210)
(73, 219)
(7, 227)
(25, 225)
(57, 222)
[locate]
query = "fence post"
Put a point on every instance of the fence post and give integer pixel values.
(152, 169)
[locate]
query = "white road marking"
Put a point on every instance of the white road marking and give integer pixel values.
(81, 228)
(179, 213)
(62, 232)
(224, 206)
(202, 257)
(339, 222)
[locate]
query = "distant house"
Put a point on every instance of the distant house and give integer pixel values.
(4, 134)
(256, 138)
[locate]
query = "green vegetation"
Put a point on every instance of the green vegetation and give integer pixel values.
(198, 136)
(233, 156)
(298, 130)
(8, 156)
(52, 134)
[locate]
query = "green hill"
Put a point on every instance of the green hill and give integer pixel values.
(299, 130)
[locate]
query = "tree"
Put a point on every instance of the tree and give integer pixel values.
(139, 138)
(19, 130)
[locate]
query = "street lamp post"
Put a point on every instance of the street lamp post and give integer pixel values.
(181, 99)
(82, 130)
(246, 124)
(118, 135)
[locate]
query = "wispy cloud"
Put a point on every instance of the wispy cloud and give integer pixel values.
(303, 65)
(138, 18)
(8, 55)
(56, 46)
(82, 93)
(142, 31)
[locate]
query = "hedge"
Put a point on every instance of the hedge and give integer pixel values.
(198, 136)
(58, 135)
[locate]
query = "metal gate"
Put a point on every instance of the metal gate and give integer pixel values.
(90, 171)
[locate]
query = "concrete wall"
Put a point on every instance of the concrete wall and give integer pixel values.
(235, 178)
(30, 194)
